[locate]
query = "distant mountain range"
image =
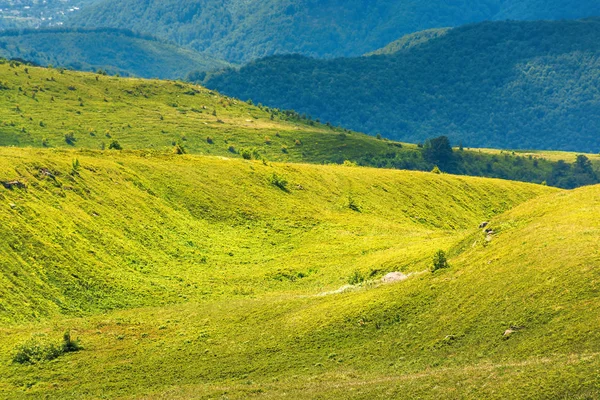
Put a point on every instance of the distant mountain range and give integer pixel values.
(112, 50)
(241, 30)
(533, 85)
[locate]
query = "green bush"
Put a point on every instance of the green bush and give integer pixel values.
(115, 145)
(38, 349)
(70, 139)
(440, 261)
(179, 149)
(278, 181)
(356, 278)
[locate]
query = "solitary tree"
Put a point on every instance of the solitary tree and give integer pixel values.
(438, 152)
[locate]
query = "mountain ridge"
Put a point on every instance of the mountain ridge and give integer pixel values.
(520, 85)
(112, 50)
(240, 31)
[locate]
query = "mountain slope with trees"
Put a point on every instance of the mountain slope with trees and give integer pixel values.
(112, 50)
(522, 85)
(239, 30)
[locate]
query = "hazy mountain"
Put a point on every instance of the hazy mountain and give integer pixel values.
(239, 30)
(115, 51)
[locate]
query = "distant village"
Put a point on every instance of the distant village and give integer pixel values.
(20, 14)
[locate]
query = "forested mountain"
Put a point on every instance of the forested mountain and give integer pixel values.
(115, 51)
(494, 84)
(409, 41)
(241, 30)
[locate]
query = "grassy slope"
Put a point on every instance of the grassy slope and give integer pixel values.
(206, 246)
(150, 114)
(114, 51)
(120, 230)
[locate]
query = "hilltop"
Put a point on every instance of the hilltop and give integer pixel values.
(200, 277)
(238, 30)
(519, 85)
(114, 51)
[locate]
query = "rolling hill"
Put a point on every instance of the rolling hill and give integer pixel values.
(238, 30)
(520, 85)
(55, 108)
(114, 51)
(198, 277)
(159, 240)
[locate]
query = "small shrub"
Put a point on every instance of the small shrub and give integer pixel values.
(284, 149)
(179, 149)
(246, 154)
(115, 145)
(75, 167)
(38, 349)
(278, 181)
(231, 149)
(436, 170)
(352, 204)
(70, 139)
(209, 140)
(440, 261)
(250, 154)
(356, 278)
(69, 345)
(298, 142)
(267, 140)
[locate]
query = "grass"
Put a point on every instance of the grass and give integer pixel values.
(130, 229)
(196, 277)
(39, 106)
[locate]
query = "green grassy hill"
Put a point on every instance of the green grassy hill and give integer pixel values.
(239, 30)
(519, 85)
(114, 51)
(199, 277)
(53, 108)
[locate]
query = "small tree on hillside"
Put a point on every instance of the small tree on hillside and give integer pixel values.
(438, 152)
(439, 261)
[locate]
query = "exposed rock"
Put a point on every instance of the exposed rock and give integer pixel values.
(46, 172)
(507, 333)
(394, 277)
(13, 184)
